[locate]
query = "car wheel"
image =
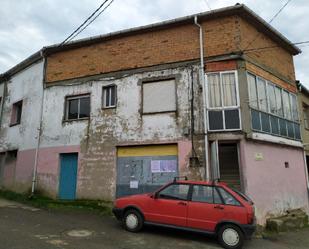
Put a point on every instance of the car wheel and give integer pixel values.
(231, 237)
(133, 221)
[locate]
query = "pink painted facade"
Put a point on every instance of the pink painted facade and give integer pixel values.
(48, 168)
(274, 186)
(184, 152)
(49, 171)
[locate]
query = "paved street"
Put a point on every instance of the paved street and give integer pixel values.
(23, 227)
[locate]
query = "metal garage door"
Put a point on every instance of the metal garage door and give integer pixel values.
(142, 169)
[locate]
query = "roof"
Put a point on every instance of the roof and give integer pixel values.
(238, 9)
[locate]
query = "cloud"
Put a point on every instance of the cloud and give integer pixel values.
(26, 26)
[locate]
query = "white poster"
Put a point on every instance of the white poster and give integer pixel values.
(155, 166)
(163, 166)
(133, 184)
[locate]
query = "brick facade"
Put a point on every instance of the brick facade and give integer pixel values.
(167, 45)
(275, 58)
(180, 43)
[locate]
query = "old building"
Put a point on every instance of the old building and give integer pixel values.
(21, 94)
(124, 112)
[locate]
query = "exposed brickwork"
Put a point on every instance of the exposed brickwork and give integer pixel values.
(268, 76)
(221, 66)
(173, 44)
(277, 58)
(150, 48)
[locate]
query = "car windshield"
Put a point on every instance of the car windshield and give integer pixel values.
(242, 195)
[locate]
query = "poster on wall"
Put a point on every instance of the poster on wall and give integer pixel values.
(163, 166)
(155, 166)
(133, 184)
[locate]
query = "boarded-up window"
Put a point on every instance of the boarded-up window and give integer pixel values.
(159, 96)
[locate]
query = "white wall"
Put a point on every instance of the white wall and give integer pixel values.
(27, 86)
(125, 123)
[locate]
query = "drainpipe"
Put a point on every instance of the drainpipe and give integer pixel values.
(34, 174)
(202, 77)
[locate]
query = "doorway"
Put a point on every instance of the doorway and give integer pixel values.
(68, 176)
(229, 164)
(225, 163)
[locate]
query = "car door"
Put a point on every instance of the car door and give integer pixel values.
(233, 209)
(169, 206)
(205, 208)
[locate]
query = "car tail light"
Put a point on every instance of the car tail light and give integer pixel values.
(250, 216)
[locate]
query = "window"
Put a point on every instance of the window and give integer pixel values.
(77, 107)
(262, 99)
(159, 96)
(228, 198)
(175, 192)
(109, 96)
(286, 105)
(276, 110)
(16, 113)
(279, 108)
(223, 106)
(214, 92)
(252, 91)
(205, 194)
(272, 98)
(294, 107)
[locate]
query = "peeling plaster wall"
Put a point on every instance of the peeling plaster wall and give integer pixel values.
(98, 137)
(273, 187)
(26, 86)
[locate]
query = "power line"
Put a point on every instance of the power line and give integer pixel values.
(279, 11)
(91, 20)
(273, 18)
(80, 26)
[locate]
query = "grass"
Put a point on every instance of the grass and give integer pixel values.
(39, 201)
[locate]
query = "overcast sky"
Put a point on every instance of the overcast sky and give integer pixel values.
(28, 25)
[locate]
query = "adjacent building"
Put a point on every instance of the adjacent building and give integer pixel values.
(125, 112)
(303, 102)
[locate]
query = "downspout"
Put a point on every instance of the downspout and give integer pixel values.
(34, 174)
(202, 77)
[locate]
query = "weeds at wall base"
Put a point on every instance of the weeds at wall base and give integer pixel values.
(98, 206)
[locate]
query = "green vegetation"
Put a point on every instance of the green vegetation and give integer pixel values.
(39, 201)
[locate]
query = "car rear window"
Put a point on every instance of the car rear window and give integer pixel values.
(228, 198)
(243, 196)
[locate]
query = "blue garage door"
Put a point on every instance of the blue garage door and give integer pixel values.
(68, 176)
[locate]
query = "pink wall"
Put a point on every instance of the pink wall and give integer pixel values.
(48, 167)
(273, 187)
(24, 166)
(184, 152)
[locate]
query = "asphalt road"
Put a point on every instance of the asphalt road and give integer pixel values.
(23, 227)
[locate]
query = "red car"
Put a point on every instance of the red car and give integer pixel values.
(211, 208)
